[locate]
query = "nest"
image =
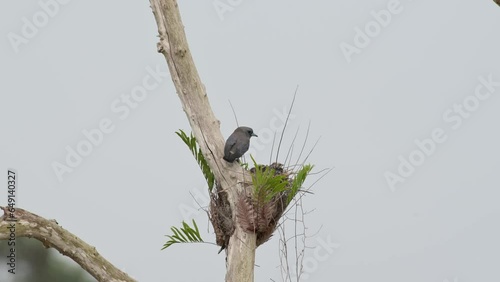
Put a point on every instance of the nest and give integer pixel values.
(254, 214)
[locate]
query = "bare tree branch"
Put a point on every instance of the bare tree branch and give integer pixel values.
(54, 236)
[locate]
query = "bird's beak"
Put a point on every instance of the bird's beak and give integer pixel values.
(253, 134)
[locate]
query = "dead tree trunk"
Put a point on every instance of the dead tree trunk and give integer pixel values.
(206, 128)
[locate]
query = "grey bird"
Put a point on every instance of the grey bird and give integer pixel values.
(237, 144)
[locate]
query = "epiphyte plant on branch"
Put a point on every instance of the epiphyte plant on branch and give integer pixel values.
(274, 187)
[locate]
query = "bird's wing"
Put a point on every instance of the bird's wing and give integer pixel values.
(228, 148)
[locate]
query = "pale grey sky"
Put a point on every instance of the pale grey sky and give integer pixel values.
(400, 90)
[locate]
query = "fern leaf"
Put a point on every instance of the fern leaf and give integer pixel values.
(192, 144)
(299, 180)
(186, 234)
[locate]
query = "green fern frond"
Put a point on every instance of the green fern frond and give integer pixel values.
(266, 183)
(192, 144)
(299, 179)
(185, 234)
